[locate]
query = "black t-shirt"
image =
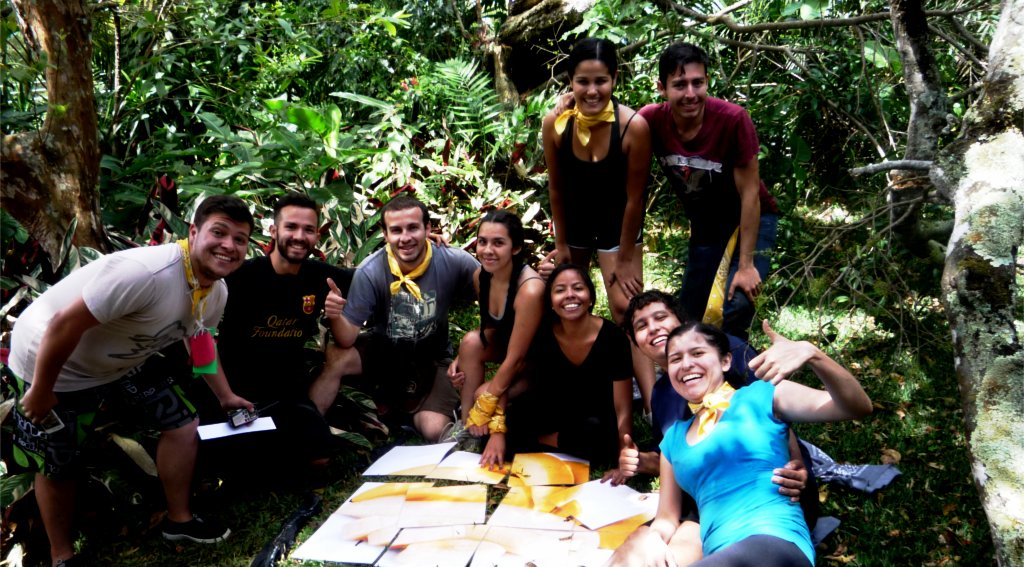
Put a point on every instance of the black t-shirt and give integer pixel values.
(582, 393)
(268, 319)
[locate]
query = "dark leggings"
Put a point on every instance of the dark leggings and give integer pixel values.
(757, 551)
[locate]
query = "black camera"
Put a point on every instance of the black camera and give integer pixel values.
(241, 417)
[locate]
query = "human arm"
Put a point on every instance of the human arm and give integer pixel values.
(334, 304)
(843, 397)
(218, 384)
(528, 312)
(357, 308)
(747, 182)
(636, 144)
(792, 477)
(623, 409)
(59, 340)
(551, 147)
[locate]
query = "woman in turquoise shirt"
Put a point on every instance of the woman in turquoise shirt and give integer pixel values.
(724, 455)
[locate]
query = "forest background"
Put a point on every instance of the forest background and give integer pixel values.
(353, 103)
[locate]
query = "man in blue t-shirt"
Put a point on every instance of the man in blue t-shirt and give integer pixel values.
(402, 295)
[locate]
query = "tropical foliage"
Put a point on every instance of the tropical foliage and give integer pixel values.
(353, 103)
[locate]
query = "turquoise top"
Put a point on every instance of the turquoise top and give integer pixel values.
(729, 473)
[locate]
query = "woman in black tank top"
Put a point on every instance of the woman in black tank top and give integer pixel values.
(598, 158)
(511, 306)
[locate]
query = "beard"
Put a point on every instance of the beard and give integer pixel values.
(287, 254)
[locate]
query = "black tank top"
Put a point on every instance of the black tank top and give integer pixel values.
(600, 184)
(505, 324)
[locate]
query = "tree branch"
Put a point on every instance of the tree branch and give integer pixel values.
(730, 23)
(957, 45)
(906, 164)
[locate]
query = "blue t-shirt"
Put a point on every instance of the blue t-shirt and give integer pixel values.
(729, 474)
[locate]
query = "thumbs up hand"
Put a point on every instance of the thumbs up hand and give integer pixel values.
(334, 301)
(628, 464)
(782, 358)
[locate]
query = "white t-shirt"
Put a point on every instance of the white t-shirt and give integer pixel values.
(143, 303)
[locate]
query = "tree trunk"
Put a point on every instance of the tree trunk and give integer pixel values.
(984, 171)
(49, 177)
(928, 110)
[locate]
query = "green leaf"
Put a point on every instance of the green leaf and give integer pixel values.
(354, 438)
(178, 226)
(13, 488)
(365, 100)
(137, 453)
(306, 118)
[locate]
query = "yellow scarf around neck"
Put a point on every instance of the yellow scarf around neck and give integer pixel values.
(198, 294)
(708, 411)
(407, 279)
(583, 122)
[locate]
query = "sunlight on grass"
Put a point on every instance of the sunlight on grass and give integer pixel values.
(831, 329)
(831, 215)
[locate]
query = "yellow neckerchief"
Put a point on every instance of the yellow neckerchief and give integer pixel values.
(710, 409)
(583, 122)
(714, 314)
(407, 279)
(198, 294)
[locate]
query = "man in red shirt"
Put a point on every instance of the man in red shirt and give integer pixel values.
(708, 149)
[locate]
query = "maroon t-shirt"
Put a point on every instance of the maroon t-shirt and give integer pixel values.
(700, 171)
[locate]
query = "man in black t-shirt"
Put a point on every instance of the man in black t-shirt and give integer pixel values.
(273, 309)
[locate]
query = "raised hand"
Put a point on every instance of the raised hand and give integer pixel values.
(782, 358)
(334, 301)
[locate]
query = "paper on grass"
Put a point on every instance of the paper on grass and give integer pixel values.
(542, 469)
(444, 506)
(596, 504)
(361, 528)
(438, 546)
(217, 430)
(464, 466)
(409, 460)
(527, 506)
(509, 547)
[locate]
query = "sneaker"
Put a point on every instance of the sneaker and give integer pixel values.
(195, 530)
(453, 432)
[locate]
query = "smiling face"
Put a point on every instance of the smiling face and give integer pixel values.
(651, 326)
(686, 92)
(695, 366)
(494, 247)
(570, 297)
(295, 233)
(592, 86)
(217, 247)
(406, 231)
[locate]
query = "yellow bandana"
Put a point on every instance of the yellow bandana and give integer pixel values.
(714, 314)
(583, 122)
(199, 294)
(407, 279)
(709, 410)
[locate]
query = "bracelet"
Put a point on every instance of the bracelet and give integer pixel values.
(498, 423)
(484, 408)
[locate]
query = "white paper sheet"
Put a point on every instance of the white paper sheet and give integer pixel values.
(449, 546)
(463, 466)
(217, 430)
(361, 528)
(409, 460)
(597, 504)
